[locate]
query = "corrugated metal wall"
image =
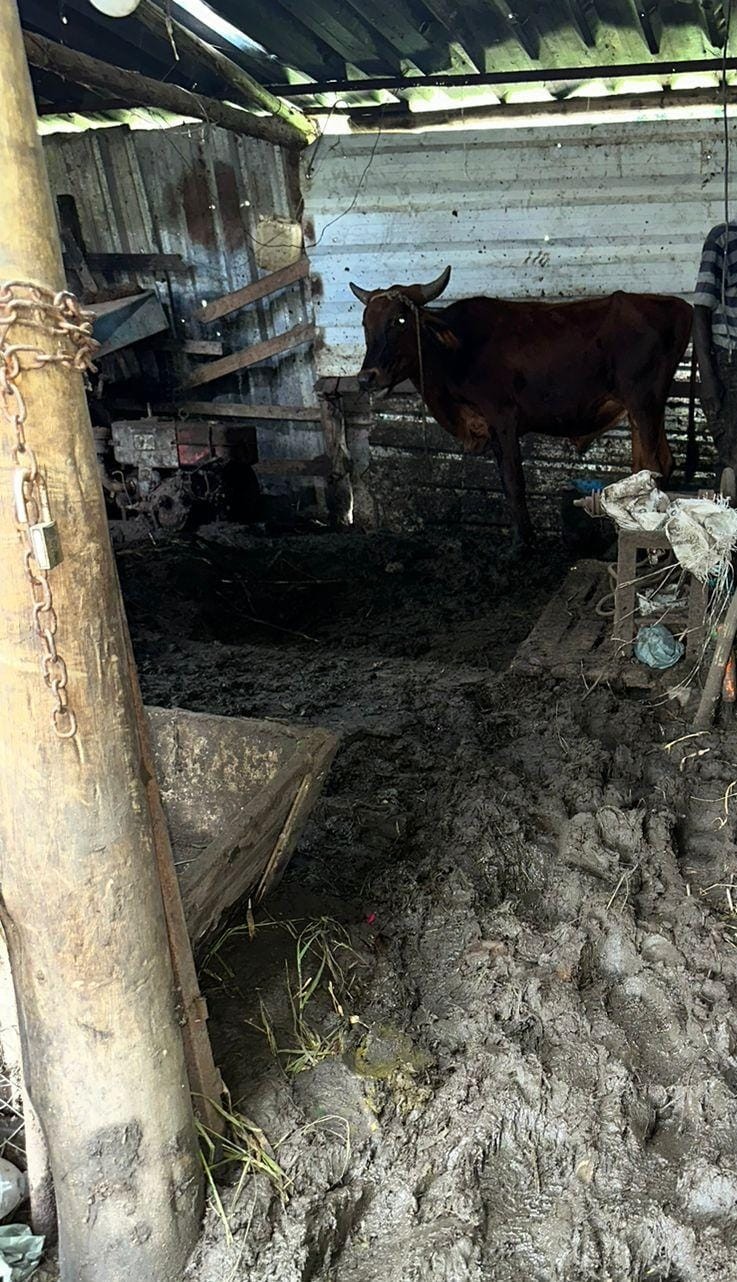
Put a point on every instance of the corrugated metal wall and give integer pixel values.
(203, 193)
(536, 213)
(527, 213)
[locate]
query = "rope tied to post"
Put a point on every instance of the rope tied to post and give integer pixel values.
(68, 342)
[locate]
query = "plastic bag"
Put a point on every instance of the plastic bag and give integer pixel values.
(20, 1252)
(635, 503)
(656, 646)
(13, 1188)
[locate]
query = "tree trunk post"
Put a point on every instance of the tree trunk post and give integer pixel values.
(81, 903)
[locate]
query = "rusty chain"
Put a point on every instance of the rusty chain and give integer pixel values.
(63, 324)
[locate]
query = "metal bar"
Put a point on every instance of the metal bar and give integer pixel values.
(549, 76)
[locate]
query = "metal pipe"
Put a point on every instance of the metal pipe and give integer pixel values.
(550, 75)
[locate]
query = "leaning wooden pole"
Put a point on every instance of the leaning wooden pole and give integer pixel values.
(80, 898)
(140, 91)
(246, 89)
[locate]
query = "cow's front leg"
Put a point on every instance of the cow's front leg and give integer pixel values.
(505, 446)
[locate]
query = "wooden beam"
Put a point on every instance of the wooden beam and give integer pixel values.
(245, 86)
(319, 466)
(81, 900)
(263, 413)
(647, 105)
(277, 346)
(137, 263)
(138, 90)
(191, 346)
(339, 497)
(262, 288)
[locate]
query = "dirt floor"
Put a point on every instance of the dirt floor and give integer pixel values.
(485, 1029)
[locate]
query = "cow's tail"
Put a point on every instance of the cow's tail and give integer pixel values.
(692, 445)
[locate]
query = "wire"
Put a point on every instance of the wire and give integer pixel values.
(357, 193)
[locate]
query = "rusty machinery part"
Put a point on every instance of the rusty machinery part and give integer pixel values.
(591, 504)
(65, 328)
(171, 502)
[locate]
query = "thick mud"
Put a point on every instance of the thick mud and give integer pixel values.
(485, 1029)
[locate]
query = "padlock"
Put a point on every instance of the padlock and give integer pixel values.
(46, 544)
(44, 535)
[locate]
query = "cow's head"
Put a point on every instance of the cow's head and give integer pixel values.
(390, 324)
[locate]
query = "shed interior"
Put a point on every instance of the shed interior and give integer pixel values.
(483, 1026)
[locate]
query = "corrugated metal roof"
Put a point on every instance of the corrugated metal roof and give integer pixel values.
(295, 41)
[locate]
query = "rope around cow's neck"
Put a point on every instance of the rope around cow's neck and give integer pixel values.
(421, 369)
(415, 307)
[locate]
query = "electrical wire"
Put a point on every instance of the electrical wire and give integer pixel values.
(357, 193)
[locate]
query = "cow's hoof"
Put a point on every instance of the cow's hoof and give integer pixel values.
(522, 545)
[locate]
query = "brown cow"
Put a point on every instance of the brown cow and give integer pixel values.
(490, 370)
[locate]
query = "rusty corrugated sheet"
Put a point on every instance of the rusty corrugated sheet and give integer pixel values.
(206, 194)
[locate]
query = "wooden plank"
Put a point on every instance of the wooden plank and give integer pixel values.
(319, 466)
(262, 288)
(254, 355)
(205, 1081)
(75, 260)
(137, 262)
(192, 346)
(276, 414)
(265, 413)
(547, 646)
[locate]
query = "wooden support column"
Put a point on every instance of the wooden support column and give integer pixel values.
(339, 488)
(81, 902)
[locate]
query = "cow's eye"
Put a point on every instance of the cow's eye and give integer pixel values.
(401, 320)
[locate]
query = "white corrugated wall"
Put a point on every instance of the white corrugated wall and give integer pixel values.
(535, 213)
(541, 212)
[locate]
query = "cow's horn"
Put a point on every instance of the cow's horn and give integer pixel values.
(435, 288)
(363, 295)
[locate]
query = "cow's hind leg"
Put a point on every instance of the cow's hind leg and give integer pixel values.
(650, 448)
(505, 445)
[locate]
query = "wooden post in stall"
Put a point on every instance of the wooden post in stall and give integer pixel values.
(81, 903)
(339, 495)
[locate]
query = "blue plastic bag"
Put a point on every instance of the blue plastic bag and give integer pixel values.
(656, 646)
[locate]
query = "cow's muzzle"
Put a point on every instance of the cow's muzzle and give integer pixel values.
(368, 378)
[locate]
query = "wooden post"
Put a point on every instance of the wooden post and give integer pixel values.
(81, 903)
(339, 489)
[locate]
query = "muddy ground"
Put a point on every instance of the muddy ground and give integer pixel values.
(510, 1050)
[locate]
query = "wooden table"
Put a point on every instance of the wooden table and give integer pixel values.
(625, 605)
